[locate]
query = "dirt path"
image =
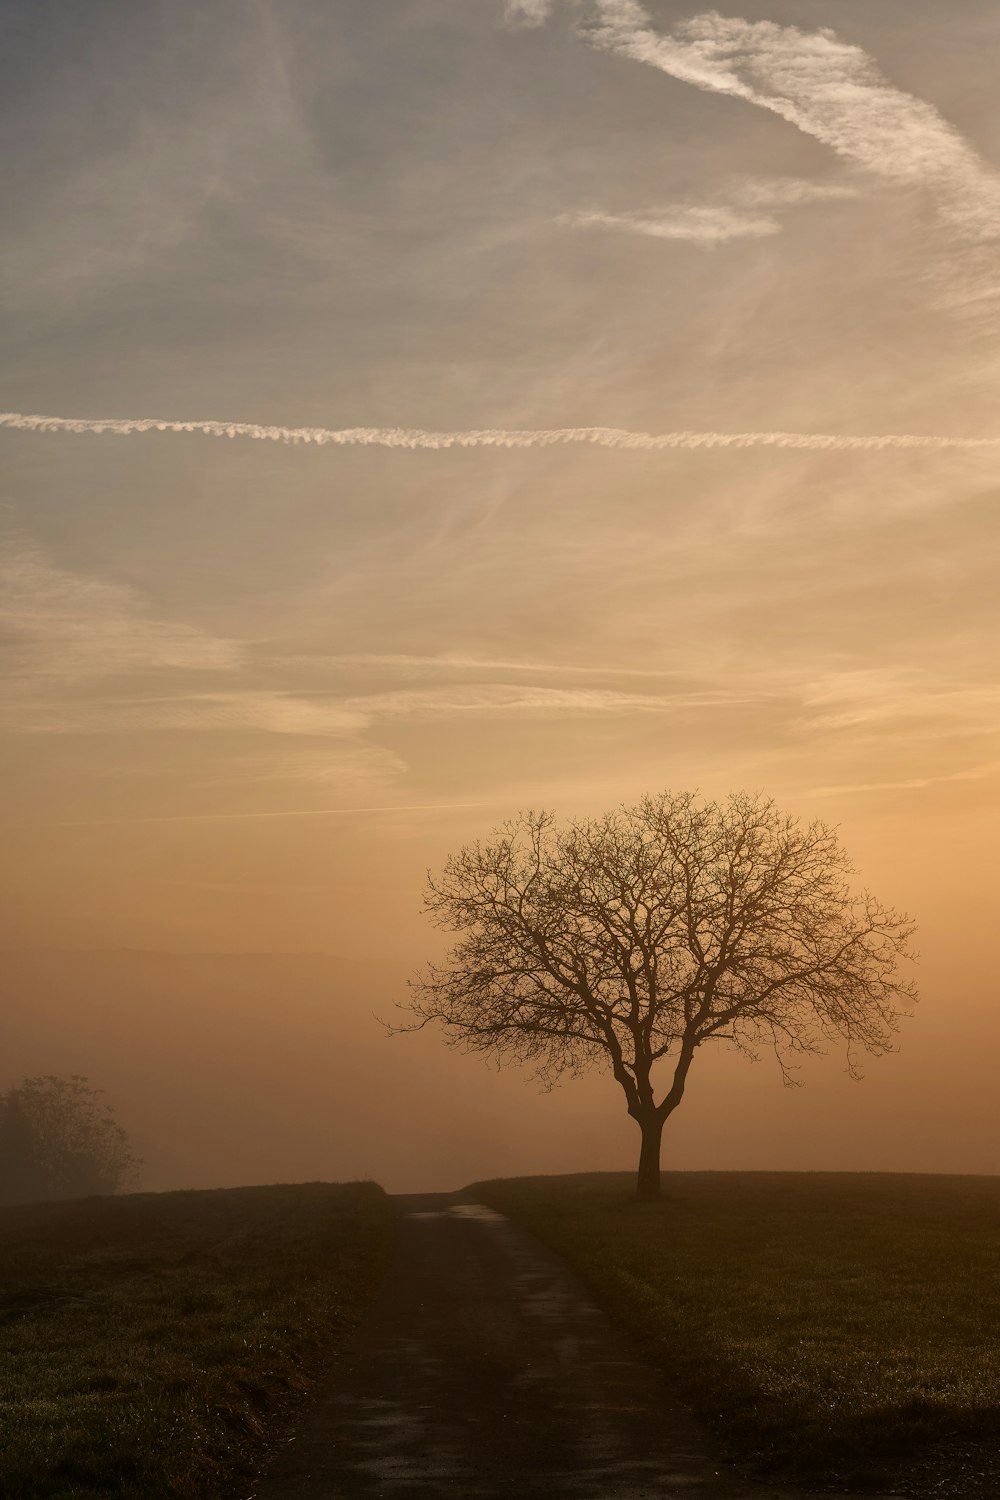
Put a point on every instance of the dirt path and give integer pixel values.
(485, 1370)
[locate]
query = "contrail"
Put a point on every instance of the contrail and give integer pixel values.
(494, 437)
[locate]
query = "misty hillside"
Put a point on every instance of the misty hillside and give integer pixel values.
(231, 1068)
(199, 1045)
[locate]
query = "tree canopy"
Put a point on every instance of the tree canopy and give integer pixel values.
(58, 1140)
(634, 938)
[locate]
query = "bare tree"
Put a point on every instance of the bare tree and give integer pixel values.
(632, 939)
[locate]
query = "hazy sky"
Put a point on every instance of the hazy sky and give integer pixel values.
(254, 688)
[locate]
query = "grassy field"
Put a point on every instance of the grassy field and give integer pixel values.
(833, 1327)
(148, 1343)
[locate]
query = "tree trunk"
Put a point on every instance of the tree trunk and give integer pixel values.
(648, 1181)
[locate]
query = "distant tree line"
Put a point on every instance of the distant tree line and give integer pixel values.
(59, 1140)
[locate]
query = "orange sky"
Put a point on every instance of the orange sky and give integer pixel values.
(253, 690)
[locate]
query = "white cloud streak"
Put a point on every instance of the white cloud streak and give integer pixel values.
(492, 437)
(489, 698)
(715, 223)
(704, 225)
(828, 89)
(786, 192)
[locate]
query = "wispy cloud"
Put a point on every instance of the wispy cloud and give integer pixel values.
(347, 766)
(59, 623)
(786, 192)
(827, 88)
(239, 817)
(68, 636)
(908, 784)
(89, 659)
(392, 661)
(271, 712)
(528, 12)
(501, 698)
(491, 437)
(705, 225)
(859, 699)
(715, 223)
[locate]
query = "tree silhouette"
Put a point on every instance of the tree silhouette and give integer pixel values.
(57, 1140)
(632, 939)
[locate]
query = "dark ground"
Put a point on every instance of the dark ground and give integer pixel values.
(149, 1343)
(484, 1370)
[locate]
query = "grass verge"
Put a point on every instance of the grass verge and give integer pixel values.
(828, 1326)
(148, 1343)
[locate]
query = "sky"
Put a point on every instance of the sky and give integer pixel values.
(395, 349)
